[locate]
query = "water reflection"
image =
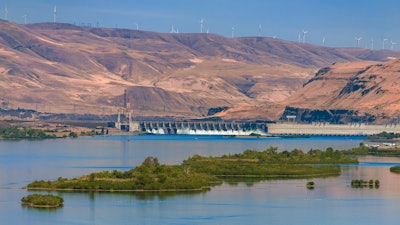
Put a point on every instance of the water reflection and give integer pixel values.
(139, 196)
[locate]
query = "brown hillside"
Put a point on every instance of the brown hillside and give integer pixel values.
(367, 87)
(66, 68)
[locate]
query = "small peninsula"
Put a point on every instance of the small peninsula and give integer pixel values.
(199, 173)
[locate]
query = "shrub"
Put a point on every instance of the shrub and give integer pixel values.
(73, 135)
(310, 185)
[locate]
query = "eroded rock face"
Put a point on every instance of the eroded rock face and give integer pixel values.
(369, 88)
(333, 116)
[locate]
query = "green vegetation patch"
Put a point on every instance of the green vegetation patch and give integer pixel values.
(384, 136)
(245, 168)
(23, 133)
(363, 150)
(395, 169)
(310, 185)
(42, 201)
(365, 183)
(150, 176)
(271, 163)
(200, 173)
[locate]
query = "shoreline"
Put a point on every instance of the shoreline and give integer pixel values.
(41, 206)
(122, 191)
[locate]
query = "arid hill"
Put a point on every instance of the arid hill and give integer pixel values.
(66, 68)
(369, 89)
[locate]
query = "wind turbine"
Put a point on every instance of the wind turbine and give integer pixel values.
(372, 44)
(304, 36)
(25, 17)
(6, 13)
(233, 31)
(172, 29)
(259, 30)
(383, 43)
(201, 25)
(392, 44)
(137, 26)
(55, 14)
(358, 39)
(323, 41)
(299, 37)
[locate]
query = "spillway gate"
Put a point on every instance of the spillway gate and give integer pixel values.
(203, 127)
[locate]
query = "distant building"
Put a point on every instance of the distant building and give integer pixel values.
(291, 118)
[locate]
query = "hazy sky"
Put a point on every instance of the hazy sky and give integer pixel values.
(339, 21)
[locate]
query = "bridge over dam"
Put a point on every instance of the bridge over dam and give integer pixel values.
(202, 127)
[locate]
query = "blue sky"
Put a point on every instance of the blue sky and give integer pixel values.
(339, 21)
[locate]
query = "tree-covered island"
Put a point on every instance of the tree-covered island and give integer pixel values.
(42, 201)
(199, 173)
(271, 163)
(150, 176)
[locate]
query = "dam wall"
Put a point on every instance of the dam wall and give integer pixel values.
(203, 127)
(355, 129)
(251, 128)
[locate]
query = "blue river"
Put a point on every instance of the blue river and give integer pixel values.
(332, 201)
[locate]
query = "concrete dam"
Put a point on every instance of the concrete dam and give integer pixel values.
(258, 128)
(202, 128)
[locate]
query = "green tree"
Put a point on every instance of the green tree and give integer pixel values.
(92, 177)
(150, 161)
(329, 152)
(73, 135)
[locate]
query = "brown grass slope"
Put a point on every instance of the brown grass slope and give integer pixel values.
(367, 87)
(66, 68)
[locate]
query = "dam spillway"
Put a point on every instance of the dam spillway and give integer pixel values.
(203, 127)
(261, 128)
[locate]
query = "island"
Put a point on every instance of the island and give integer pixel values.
(199, 173)
(42, 201)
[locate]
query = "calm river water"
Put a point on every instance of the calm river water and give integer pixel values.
(332, 201)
